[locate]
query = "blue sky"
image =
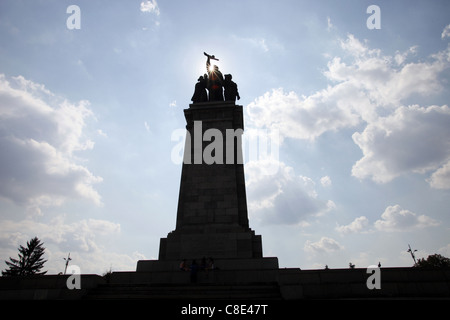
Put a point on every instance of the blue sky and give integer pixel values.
(88, 120)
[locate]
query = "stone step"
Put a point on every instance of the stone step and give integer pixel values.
(189, 291)
(266, 263)
(215, 277)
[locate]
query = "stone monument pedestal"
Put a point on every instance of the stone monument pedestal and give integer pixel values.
(227, 271)
(227, 243)
(212, 217)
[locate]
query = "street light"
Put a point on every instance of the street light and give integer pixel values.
(412, 254)
(67, 262)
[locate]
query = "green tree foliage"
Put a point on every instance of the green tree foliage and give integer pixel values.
(30, 260)
(434, 261)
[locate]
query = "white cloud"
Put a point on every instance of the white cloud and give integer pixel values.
(150, 6)
(412, 139)
(440, 179)
(306, 118)
(40, 135)
(358, 225)
(147, 127)
(394, 218)
(357, 48)
(259, 43)
(342, 105)
(369, 82)
(445, 251)
(384, 82)
(76, 236)
(324, 245)
(98, 262)
(102, 133)
(283, 197)
(330, 26)
(87, 241)
(397, 140)
(400, 57)
(446, 32)
(325, 181)
(370, 90)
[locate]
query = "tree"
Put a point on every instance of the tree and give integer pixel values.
(434, 261)
(30, 260)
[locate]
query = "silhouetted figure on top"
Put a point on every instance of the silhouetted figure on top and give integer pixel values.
(231, 90)
(215, 80)
(200, 94)
(194, 270)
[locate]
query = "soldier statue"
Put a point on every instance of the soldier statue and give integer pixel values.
(215, 83)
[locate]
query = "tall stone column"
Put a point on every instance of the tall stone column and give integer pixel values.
(212, 218)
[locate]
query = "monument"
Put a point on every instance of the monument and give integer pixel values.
(212, 218)
(212, 234)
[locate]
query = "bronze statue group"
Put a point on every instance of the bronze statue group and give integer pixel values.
(214, 83)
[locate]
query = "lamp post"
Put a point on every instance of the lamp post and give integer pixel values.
(412, 254)
(67, 262)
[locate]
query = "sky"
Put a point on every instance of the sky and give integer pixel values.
(353, 101)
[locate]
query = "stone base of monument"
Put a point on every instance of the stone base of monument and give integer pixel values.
(244, 285)
(269, 263)
(242, 279)
(217, 277)
(232, 244)
(275, 284)
(226, 271)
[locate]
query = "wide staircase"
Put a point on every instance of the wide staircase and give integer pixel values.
(204, 291)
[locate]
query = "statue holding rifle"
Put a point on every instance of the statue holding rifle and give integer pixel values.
(216, 85)
(215, 79)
